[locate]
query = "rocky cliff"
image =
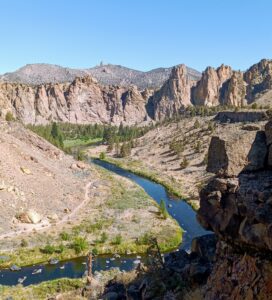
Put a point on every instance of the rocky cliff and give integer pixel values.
(236, 205)
(174, 94)
(82, 101)
(208, 88)
(85, 100)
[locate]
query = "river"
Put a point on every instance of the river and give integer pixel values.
(75, 268)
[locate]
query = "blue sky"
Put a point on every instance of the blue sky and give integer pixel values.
(141, 34)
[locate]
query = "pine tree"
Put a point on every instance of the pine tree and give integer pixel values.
(55, 130)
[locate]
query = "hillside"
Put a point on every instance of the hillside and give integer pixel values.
(36, 74)
(50, 200)
(160, 153)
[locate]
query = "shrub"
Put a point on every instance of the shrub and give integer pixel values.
(79, 244)
(102, 155)
(197, 146)
(205, 160)
(125, 150)
(163, 210)
(184, 163)
(24, 243)
(211, 126)
(80, 155)
(9, 117)
(103, 238)
(144, 239)
(117, 240)
(94, 251)
(48, 249)
(197, 124)
(254, 106)
(65, 236)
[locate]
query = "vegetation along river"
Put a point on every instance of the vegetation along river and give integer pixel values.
(75, 268)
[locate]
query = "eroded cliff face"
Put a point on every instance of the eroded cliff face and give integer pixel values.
(174, 94)
(82, 101)
(237, 206)
(258, 79)
(86, 101)
(208, 88)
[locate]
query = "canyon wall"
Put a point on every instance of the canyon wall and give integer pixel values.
(236, 206)
(82, 101)
(86, 101)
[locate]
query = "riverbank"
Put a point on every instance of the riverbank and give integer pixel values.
(65, 288)
(173, 154)
(108, 224)
(137, 167)
(42, 290)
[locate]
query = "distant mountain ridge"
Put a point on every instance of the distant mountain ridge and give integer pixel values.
(36, 74)
(86, 100)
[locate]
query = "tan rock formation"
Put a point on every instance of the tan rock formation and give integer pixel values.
(174, 94)
(232, 154)
(239, 208)
(235, 91)
(86, 101)
(207, 90)
(259, 78)
(82, 101)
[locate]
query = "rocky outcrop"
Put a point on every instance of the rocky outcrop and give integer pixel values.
(86, 101)
(229, 155)
(234, 91)
(174, 94)
(179, 271)
(82, 101)
(236, 206)
(258, 79)
(241, 116)
(208, 89)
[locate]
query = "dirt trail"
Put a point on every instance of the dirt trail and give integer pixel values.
(45, 224)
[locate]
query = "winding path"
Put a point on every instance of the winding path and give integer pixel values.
(45, 224)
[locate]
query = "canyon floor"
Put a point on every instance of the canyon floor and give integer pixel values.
(49, 199)
(153, 157)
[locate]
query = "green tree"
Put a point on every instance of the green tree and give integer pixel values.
(55, 130)
(125, 150)
(196, 124)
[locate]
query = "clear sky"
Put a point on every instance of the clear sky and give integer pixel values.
(141, 34)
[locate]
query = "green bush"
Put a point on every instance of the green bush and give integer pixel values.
(65, 236)
(9, 117)
(254, 106)
(79, 244)
(48, 249)
(80, 155)
(102, 155)
(163, 210)
(197, 124)
(94, 251)
(125, 150)
(103, 238)
(144, 239)
(117, 240)
(24, 243)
